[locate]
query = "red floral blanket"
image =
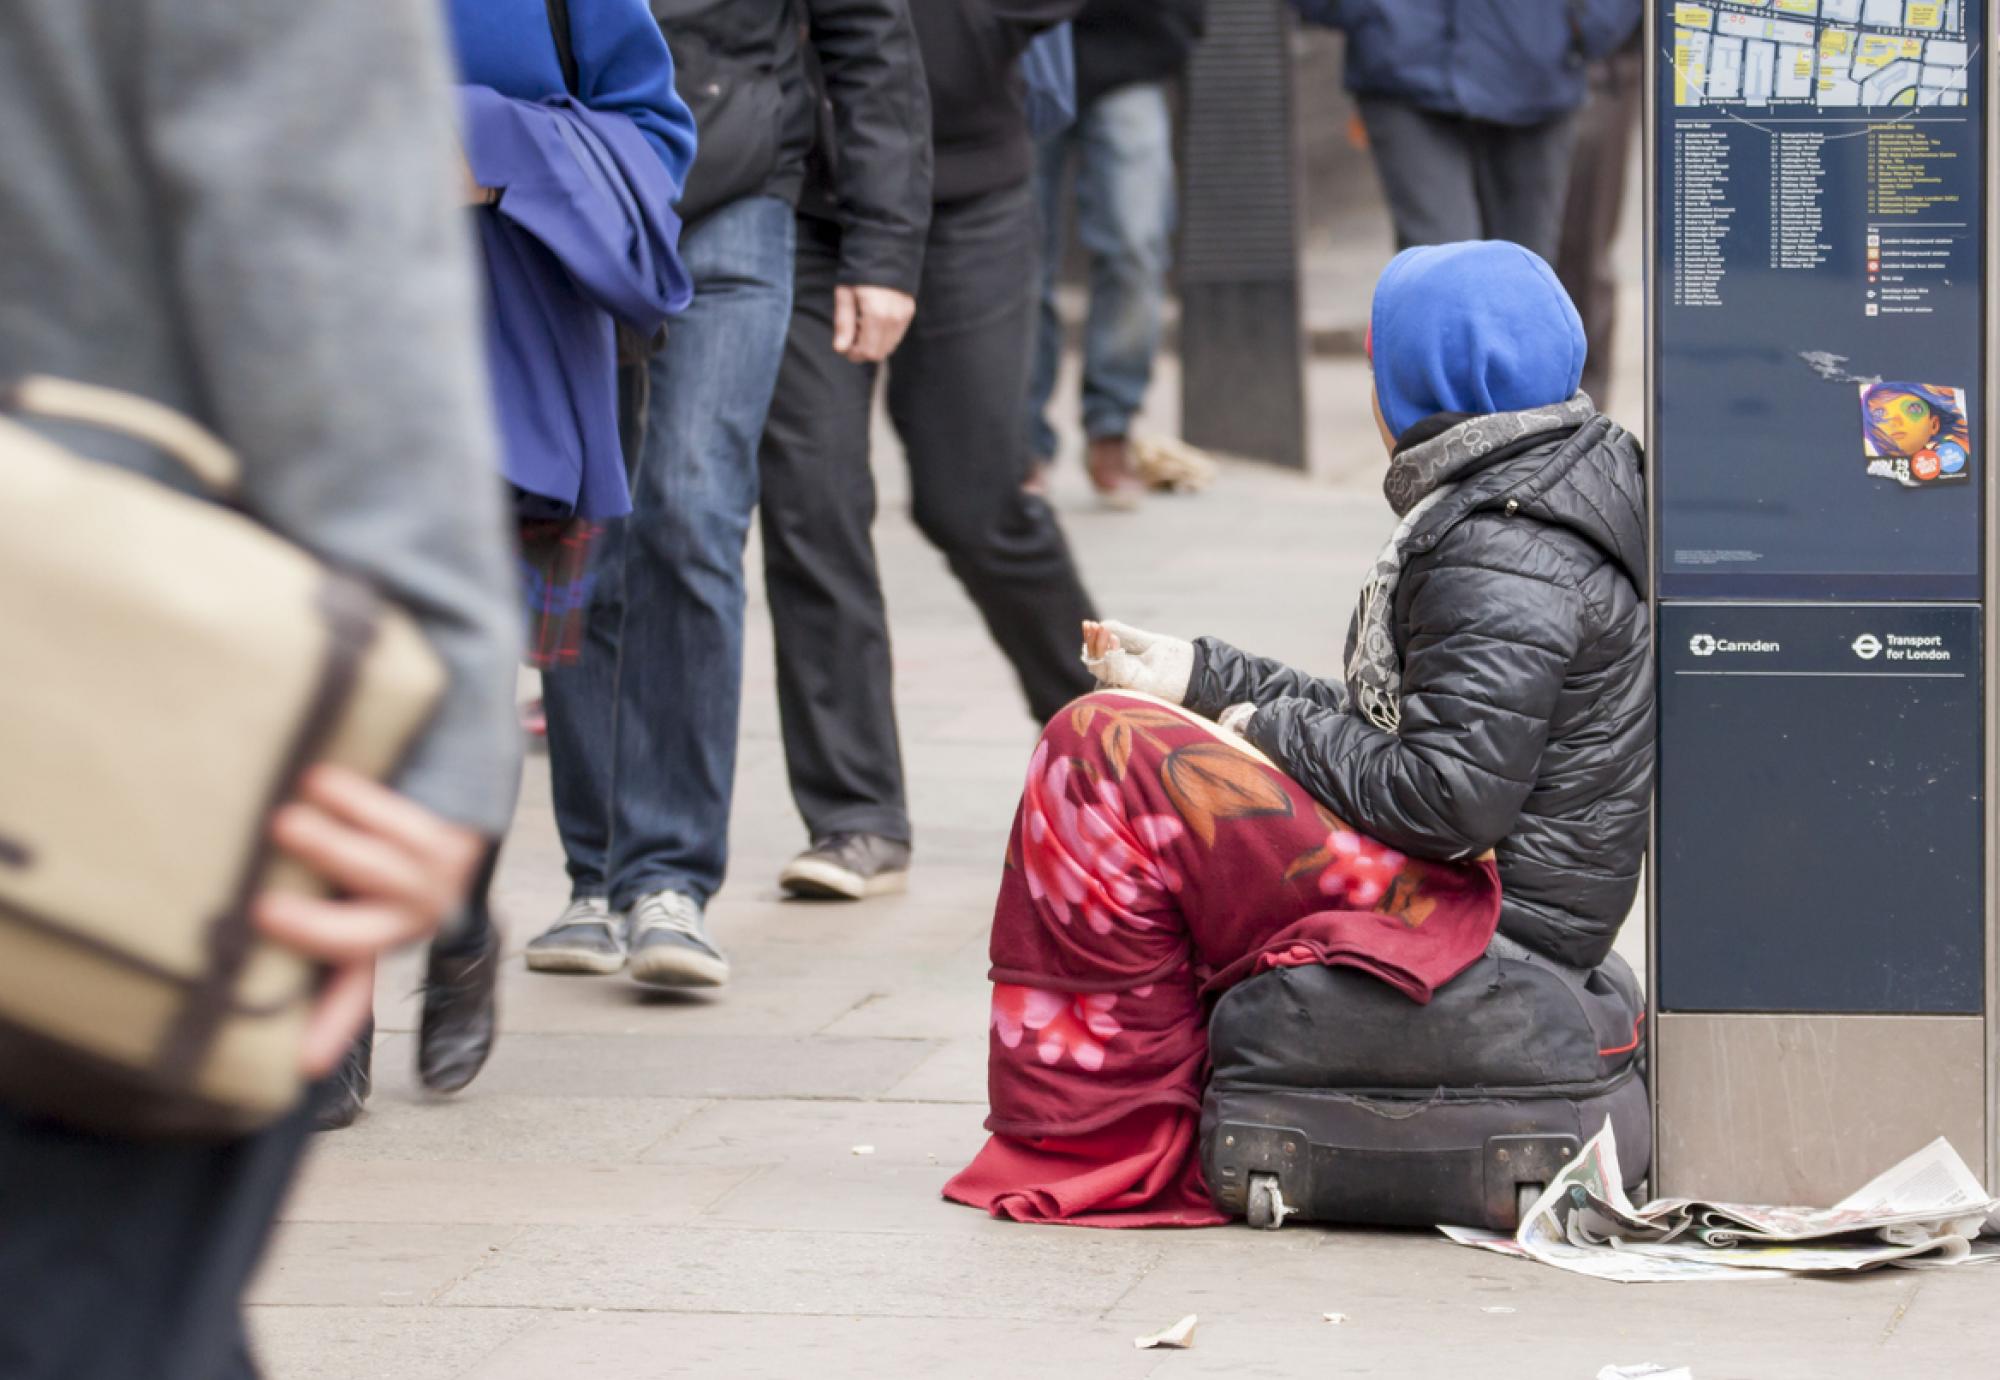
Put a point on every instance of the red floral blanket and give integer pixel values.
(1154, 862)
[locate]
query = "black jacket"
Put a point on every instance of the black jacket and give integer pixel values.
(1121, 42)
(1527, 721)
(755, 92)
(972, 51)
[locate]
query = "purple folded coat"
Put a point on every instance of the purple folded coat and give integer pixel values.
(584, 235)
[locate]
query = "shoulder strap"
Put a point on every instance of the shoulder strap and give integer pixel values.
(565, 44)
(197, 449)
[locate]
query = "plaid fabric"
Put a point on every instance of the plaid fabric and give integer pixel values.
(556, 582)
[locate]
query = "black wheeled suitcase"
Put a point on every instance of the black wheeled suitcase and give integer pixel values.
(1334, 1098)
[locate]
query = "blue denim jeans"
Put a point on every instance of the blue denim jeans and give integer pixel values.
(1123, 147)
(642, 734)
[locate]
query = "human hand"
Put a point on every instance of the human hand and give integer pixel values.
(470, 192)
(1123, 657)
(868, 322)
(396, 870)
(1236, 719)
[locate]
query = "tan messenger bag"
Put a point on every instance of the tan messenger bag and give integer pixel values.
(170, 668)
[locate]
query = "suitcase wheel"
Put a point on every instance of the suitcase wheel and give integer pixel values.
(1266, 1207)
(1524, 1198)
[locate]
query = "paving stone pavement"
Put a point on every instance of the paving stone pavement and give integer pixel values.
(647, 1186)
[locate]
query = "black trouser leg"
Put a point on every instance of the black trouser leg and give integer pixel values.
(955, 393)
(1522, 175)
(835, 697)
(1596, 199)
(1425, 162)
(127, 1260)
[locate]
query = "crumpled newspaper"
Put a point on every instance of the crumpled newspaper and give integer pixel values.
(1166, 462)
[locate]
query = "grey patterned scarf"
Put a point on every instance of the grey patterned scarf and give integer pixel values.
(1419, 479)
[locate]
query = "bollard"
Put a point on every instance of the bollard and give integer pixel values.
(1242, 345)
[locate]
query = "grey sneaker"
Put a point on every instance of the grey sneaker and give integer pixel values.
(585, 938)
(847, 867)
(670, 943)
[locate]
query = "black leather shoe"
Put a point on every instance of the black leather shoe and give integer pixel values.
(343, 1093)
(458, 1024)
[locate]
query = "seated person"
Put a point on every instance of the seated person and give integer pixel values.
(1485, 761)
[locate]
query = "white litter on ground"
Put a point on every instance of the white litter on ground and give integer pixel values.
(1179, 1337)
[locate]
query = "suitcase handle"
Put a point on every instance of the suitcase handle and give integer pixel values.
(110, 409)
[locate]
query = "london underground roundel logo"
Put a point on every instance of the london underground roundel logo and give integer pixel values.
(1868, 646)
(1701, 644)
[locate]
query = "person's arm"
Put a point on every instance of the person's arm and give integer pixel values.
(306, 171)
(1224, 676)
(1485, 658)
(874, 79)
(587, 186)
(624, 67)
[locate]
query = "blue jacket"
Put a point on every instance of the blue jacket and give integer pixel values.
(584, 233)
(1508, 62)
(623, 66)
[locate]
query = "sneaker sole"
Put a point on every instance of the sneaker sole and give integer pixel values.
(678, 967)
(826, 882)
(587, 961)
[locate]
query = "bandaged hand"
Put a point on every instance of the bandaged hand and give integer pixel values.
(1126, 658)
(1236, 719)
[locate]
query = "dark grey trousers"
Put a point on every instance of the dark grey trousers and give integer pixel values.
(1451, 179)
(955, 395)
(127, 1260)
(1596, 199)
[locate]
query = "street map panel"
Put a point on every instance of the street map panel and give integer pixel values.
(1820, 53)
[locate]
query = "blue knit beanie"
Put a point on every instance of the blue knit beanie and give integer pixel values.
(1481, 326)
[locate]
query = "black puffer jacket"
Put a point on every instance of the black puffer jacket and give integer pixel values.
(1527, 711)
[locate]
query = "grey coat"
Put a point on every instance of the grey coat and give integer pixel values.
(246, 209)
(1527, 705)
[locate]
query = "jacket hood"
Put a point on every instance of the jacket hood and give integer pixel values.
(1482, 326)
(1588, 479)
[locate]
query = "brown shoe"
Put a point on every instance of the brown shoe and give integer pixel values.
(1114, 474)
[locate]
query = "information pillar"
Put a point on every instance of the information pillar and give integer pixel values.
(1822, 937)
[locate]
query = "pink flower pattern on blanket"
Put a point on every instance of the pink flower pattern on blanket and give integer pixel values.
(1091, 855)
(1151, 866)
(1059, 1022)
(1362, 870)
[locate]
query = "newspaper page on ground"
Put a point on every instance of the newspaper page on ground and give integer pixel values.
(1922, 1214)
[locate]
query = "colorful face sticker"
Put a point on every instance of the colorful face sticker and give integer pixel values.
(1916, 434)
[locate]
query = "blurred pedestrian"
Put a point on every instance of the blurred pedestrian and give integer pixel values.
(1605, 134)
(577, 146)
(304, 286)
(1121, 144)
(1470, 107)
(642, 734)
(955, 391)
